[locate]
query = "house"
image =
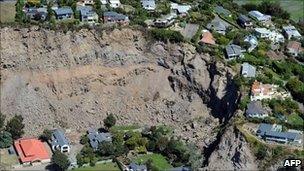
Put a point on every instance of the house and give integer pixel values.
(271, 35)
(135, 167)
(63, 13)
(274, 133)
(291, 32)
(222, 11)
(262, 32)
(87, 2)
(165, 21)
(148, 5)
(60, 142)
(104, 2)
(293, 48)
(207, 38)
(259, 16)
(96, 138)
(234, 51)
(114, 3)
(253, 41)
(181, 10)
(261, 91)
(218, 26)
(248, 71)
(244, 21)
(114, 17)
(255, 110)
(31, 151)
(36, 13)
(87, 14)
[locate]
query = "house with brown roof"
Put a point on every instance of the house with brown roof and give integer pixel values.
(294, 48)
(32, 151)
(207, 38)
(260, 91)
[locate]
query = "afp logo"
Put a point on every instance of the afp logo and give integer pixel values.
(292, 162)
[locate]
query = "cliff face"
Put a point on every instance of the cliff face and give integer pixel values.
(74, 80)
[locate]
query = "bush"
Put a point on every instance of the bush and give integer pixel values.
(165, 35)
(5, 139)
(109, 121)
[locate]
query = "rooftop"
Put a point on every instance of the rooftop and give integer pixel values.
(294, 45)
(291, 30)
(248, 70)
(58, 138)
(233, 50)
(63, 11)
(255, 107)
(207, 38)
(96, 137)
(222, 10)
(115, 15)
(31, 149)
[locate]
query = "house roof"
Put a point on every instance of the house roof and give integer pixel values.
(258, 88)
(251, 39)
(180, 8)
(148, 4)
(248, 70)
(182, 168)
(255, 107)
(96, 137)
(294, 45)
(58, 138)
(259, 16)
(115, 15)
(217, 25)
(233, 50)
(262, 30)
(136, 167)
(244, 18)
(222, 10)
(86, 10)
(269, 130)
(291, 31)
(207, 38)
(63, 11)
(31, 149)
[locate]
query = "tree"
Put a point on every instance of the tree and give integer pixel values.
(84, 139)
(5, 139)
(2, 120)
(261, 152)
(109, 121)
(61, 160)
(20, 15)
(15, 126)
(46, 135)
(106, 149)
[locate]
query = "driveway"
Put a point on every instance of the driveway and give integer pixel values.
(189, 31)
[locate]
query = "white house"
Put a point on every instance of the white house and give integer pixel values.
(60, 142)
(262, 32)
(114, 3)
(271, 35)
(291, 32)
(180, 9)
(259, 16)
(148, 5)
(103, 2)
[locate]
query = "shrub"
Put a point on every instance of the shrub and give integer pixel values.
(165, 35)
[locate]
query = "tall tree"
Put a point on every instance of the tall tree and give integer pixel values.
(61, 160)
(109, 121)
(46, 135)
(5, 139)
(15, 126)
(20, 15)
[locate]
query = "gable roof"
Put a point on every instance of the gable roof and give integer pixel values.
(244, 18)
(180, 8)
(58, 138)
(222, 10)
(207, 38)
(255, 107)
(148, 4)
(96, 137)
(248, 70)
(233, 50)
(31, 149)
(259, 16)
(115, 15)
(63, 11)
(291, 31)
(294, 45)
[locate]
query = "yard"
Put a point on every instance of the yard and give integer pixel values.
(125, 128)
(8, 160)
(158, 160)
(7, 11)
(295, 119)
(294, 7)
(100, 167)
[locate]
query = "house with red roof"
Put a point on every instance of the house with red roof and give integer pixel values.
(31, 151)
(207, 38)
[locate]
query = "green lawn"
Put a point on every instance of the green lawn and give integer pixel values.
(294, 7)
(100, 167)
(125, 127)
(159, 161)
(295, 119)
(6, 159)
(7, 12)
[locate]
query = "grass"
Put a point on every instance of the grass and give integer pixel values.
(7, 12)
(158, 161)
(125, 127)
(295, 119)
(294, 7)
(6, 159)
(100, 167)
